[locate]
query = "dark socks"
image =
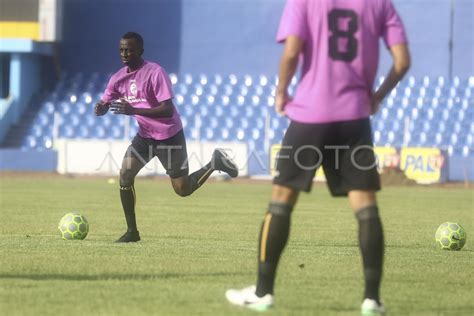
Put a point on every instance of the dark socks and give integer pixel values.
(371, 242)
(199, 177)
(128, 198)
(273, 238)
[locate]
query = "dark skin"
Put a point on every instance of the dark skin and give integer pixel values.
(131, 55)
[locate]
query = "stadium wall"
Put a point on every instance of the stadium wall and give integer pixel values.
(238, 36)
(26, 74)
(97, 157)
(100, 157)
(461, 169)
(28, 160)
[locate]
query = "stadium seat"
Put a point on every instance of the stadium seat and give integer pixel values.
(217, 79)
(236, 107)
(232, 79)
(173, 78)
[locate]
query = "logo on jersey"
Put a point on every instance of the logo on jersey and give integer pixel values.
(133, 88)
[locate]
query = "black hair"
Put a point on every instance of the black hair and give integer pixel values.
(135, 36)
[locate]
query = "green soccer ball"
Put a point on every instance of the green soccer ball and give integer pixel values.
(73, 226)
(450, 236)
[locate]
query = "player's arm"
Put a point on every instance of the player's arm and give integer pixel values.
(101, 108)
(288, 65)
(401, 64)
(165, 109)
(110, 94)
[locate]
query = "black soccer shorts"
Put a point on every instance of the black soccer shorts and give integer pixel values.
(344, 149)
(171, 152)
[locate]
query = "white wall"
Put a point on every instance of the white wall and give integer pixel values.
(99, 157)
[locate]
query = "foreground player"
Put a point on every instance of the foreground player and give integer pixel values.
(338, 41)
(143, 89)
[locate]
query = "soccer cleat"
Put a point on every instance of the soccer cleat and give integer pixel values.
(222, 162)
(371, 307)
(247, 298)
(129, 236)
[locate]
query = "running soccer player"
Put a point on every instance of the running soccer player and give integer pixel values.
(143, 90)
(338, 41)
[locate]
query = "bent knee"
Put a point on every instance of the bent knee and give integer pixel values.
(182, 190)
(127, 177)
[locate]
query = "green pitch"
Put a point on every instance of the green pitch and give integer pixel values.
(194, 248)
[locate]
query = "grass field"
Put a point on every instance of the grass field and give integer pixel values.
(194, 248)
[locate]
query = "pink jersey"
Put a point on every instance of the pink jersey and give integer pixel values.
(340, 55)
(145, 88)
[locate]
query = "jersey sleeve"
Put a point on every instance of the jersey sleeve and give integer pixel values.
(162, 86)
(393, 29)
(110, 93)
(293, 21)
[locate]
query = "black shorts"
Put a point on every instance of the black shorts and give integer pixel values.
(171, 152)
(344, 149)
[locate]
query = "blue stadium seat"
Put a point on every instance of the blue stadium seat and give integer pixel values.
(227, 122)
(116, 132)
(400, 114)
(232, 79)
(223, 135)
(270, 101)
(47, 108)
(30, 142)
(73, 120)
(445, 115)
(208, 134)
(237, 106)
(180, 88)
(209, 100)
(249, 112)
(173, 78)
(99, 132)
(211, 89)
(470, 140)
(256, 90)
(197, 89)
(217, 79)
(213, 123)
(89, 120)
(187, 79)
(86, 97)
(83, 132)
(255, 134)
(132, 131)
(66, 131)
(467, 151)
(243, 90)
(226, 90)
(81, 108)
(178, 100)
(36, 130)
(203, 111)
(64, 108)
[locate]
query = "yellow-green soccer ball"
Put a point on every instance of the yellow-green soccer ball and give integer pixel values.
(450, 236)
(73, 226)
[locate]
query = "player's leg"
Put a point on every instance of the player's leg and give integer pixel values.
(274, 234)
(186, 184)
(358, 178)
(296, 169)
(173, 156)
(134, 160)
(220, 161)
(371, 242)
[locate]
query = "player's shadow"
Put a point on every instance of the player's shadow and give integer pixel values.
(120, 277)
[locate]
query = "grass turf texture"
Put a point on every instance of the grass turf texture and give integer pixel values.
(194, 248)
